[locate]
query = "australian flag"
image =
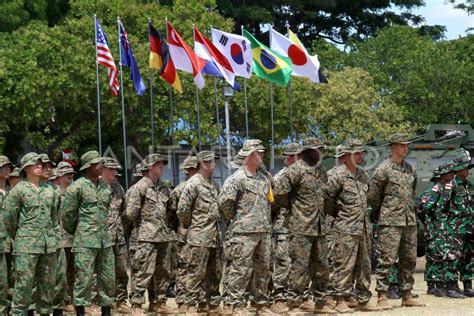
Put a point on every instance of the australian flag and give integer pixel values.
(129, 60)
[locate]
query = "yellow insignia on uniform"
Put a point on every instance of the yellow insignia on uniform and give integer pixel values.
(270, 197)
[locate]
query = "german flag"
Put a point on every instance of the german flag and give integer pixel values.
(160, 59)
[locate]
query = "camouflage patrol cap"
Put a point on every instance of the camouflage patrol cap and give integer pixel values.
(445, 168)
(251, 145)
(138, 171)
(292, 149)
(45, 159)
(399, 139)
(90, 158)
(206, 155)
(151, 159)
(461, 163)
(340, 151)
(64, 168)
(29, 159)
(311, 143)
(111, 163)
(5, 161)
(355, 145)
(54, 174)
(436, 175)
(237, 161)
(15, 172)
(189, 162)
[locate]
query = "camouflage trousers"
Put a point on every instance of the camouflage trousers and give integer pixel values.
(121, 276)
(3, 285)
(396, 241)
(60, 289)
(248, 259)
(430, 272)
(467, 262)
(86, 262)
(172, 260)
(150, 272)
(309, 263)
(394, 274)
(351, 259)
(31, 270)
(69, 274)
(281, 267)
(180, 273)
(200, 284)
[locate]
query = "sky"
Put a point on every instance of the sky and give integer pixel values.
(438, 12)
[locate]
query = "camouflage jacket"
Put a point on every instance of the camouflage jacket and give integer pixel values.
(427, 206)
(392, 192)
(303, 185)
(30, 217)
(3, 232)
(460, 212)
(243, 203)
(174, 200)
(65, 239)
(349, 193)
(280, 223)
(85, 211)
(148, 208)
(198, 211)
(116, 213)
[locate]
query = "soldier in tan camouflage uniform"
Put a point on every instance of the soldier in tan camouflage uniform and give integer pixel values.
(116, 227)
(148, 209)
(5, 167)
(244, 203)
(85, 211)
(302, 184)
(347, 189)
(281, 257)
(391, 193)
(190, 168)
(198, 213)
(31, 209)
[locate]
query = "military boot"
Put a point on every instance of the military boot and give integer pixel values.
(452, 292)
(341, 306)
(382, 301)
(440, 289)
(393, 292)
(105, 310)
(367, 307)
(323, 308)
(57, 312)
(30, 312)
(431, 288)
(468, 291)
(80, 311)
(280, 308)
(409, 301)
(217, 310)
(137, 310)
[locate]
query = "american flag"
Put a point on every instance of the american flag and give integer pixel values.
(104, 57)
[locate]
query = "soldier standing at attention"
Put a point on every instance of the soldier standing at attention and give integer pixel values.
(347, 189)
(244, 203)
(148, 209)
(5, 166)
(198, 213)
(85, 210)
(14, 178)
(391, 194)
(31, 209)
(116, 227)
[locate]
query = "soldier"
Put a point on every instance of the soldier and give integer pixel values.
(391, 194)
(460, 227)
(14, 178)
(85, 209)
(347, 189)
(116, 227)
(5, 166)
(47, 168)
(63, 291)
(198, 213)
(303, 184)
(281, 261)
(31, 209)
(190, 167)
(244, 203)
(148, 209)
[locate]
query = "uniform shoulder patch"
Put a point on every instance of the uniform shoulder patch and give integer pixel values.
(435, 188)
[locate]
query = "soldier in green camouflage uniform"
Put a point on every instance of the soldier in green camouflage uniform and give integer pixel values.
(14, 178)
(244, 203)
(302, 184)
(347, 189)
(116, 226)
(198, 213)
(148, 208)
(460, 228)
(85, 212)
(5, 167)
(190, 168)
(391, 193)
(281, 256)
(31, 209)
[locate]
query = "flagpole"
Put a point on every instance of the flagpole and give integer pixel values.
(170, 98)
(150, 75)
(245, 97)
(218, 128)
(290, 93)
(98, 90)
(272, 148)
(198, 112)
(123, 108)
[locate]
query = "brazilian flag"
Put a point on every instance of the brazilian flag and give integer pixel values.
(269, 65)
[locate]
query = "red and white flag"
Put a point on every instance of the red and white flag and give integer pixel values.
(104, 57)
(184, 57)
(304, 65)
